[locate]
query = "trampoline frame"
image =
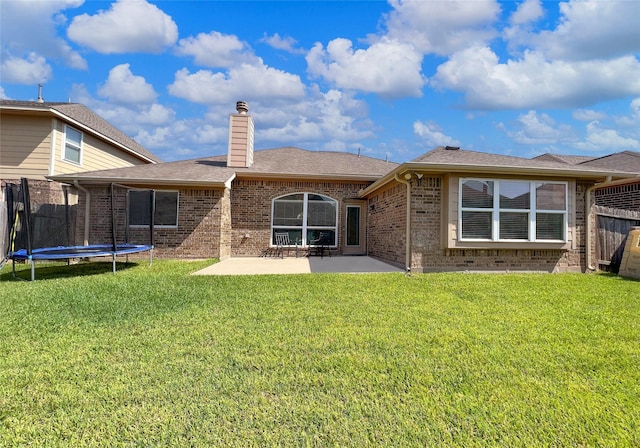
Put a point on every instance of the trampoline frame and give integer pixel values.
(71, 252)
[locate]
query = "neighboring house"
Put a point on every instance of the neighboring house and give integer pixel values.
(449, 209)
(40, 139)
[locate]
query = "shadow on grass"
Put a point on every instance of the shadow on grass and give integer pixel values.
(54, 270)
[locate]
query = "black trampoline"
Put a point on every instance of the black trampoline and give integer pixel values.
(24, 245)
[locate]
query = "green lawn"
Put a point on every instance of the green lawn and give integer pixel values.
(154, 357)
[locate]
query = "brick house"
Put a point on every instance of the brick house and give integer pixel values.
(449, 209)
(614, 206)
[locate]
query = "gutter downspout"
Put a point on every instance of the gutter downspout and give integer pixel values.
(407, 182)
(87, 208)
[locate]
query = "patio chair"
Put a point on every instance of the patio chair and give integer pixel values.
(282, 243)
(324, 241)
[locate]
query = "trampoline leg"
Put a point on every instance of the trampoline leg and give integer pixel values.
(33, 270)
(114, 263)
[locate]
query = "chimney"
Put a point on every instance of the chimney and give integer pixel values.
(240, 153)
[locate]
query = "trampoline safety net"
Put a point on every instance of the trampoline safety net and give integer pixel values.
(43, 224)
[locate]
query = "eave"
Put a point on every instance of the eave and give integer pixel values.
(597, 175)
(131, 181)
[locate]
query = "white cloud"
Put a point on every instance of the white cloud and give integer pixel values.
(28, 27)
(539, 129)
(520, 29)
(123, 87)
(330, 117)
(139, 121)
(599, 138)
(431, 134)
(388, 68)
(128, 26)
(287, 43)
(587, 115)
(533, 81)
(442, 27)
(594, 29)
(3, 94)
(34, 69)
(242, 82)
(216, 50)
(527, 12)
(156, 115)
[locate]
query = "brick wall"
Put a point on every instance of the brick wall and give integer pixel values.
(387, 227)
(201, 232)
(251, 209)
(624, 197)
(41, 191)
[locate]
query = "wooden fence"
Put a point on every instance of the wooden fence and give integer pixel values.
(613, 227)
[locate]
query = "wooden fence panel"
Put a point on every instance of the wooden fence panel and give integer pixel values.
(611, 237)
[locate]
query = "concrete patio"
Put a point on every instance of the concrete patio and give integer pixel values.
(302, 265)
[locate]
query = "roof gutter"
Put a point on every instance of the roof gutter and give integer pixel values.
(407, 182)
(155, 182)
(493, 170)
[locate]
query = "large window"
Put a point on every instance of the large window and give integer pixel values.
(72, 145)
(304, 216)
(512, 210)
(166, 208)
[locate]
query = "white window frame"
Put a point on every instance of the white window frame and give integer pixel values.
(72, 145)
(304, 228)
(157, 226)
(532, 211)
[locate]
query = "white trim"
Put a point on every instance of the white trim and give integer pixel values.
(52, 147)
(304, 228)
(346, 224)
(496, 210)
(80, 148)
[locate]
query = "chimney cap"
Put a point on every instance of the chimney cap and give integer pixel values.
(242, 107)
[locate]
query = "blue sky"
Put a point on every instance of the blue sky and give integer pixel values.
(392, 79)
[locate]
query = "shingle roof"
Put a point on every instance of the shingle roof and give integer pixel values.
(623, 161)
(89, 119)
(285, 162)
(570, 159)
(444, 156)
(453, 159)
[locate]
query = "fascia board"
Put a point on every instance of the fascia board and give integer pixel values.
(493, 170)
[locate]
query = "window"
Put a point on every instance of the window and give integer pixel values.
(303, 216)
(166, 208)
(72, 145)
(512, 210)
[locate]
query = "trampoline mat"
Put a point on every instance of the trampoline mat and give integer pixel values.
(64, 252)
